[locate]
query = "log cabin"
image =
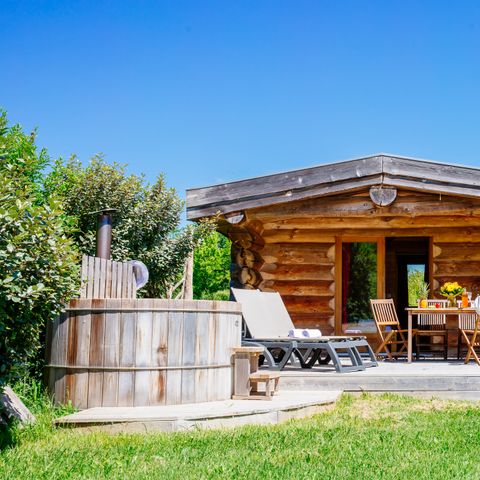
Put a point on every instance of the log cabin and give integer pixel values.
(330, 237)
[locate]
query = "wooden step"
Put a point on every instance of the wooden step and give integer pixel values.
(264, 375)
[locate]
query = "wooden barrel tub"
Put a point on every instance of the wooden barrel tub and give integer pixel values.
(129, 352)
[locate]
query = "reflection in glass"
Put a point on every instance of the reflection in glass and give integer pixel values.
(359, 285)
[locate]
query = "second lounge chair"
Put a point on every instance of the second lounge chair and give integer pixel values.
(267, 324)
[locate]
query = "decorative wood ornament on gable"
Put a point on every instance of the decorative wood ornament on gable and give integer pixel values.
(383, 196)
(235, 217)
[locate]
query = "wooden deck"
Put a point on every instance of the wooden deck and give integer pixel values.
(302, 393)
(221, 414)
(452, 379)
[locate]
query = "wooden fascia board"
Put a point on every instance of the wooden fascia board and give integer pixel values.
(431, 172)
(431, 187)
(282, 182)
(194, 213)
(331, 179)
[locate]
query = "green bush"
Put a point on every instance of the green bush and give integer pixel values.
(146, 226)
(211, 268)
(38, 261)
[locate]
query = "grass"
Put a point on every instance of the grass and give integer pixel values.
(367, 437)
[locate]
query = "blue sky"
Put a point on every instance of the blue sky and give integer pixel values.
(216, 91)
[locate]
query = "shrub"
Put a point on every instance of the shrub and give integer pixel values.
(38, 261)
(211, 270)
(146, 226)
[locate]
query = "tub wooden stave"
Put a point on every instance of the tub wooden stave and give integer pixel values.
(142, 352)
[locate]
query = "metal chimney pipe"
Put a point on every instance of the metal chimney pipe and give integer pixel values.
(104, 232)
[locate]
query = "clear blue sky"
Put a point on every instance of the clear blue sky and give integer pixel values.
(216, 91)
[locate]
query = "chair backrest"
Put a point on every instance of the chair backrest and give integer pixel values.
(281, 321)
(384, 313)
(467, 321)
(264, 313)
(433, 318)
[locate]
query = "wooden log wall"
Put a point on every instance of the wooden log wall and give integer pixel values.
(112, 352)
(304, 275)
(291, 246)
(246, 259)
(456, 261)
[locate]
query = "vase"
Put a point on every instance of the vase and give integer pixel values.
(452, 301)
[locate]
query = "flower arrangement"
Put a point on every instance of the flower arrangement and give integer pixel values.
(451, 290)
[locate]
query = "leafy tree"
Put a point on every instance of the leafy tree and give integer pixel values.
(38, 261)
(211, 268)
(146, 226)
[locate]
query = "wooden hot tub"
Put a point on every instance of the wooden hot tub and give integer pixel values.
(129, 352)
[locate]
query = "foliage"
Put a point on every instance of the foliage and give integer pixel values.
(417, 287)
(146, 226)
(433, 439)
(211, 271)
(362, 282)
(424, 290)
(38, 271)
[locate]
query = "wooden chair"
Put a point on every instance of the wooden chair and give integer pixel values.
(389, 329)
(471, 337)
(467, 323)
(433, 325)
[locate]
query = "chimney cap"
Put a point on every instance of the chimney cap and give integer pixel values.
(105, 210)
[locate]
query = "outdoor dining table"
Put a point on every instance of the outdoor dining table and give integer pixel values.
(449, 312)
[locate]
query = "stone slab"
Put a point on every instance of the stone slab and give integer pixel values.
(224, 414)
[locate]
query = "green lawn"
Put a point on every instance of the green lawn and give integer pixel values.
(368, 437)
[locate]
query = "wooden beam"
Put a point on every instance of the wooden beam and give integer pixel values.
(321, 288)
(452, 251)
(284, 182)
(431, 248)
(338, 286)
(445, 234)
(315, 253)
(457, 268)
(408, 204)
(381, 267)
(314, 223)
(431, 172)
(263, 199)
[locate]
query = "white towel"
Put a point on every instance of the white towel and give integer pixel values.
(311, 332)
(295, 333)
(304, 333)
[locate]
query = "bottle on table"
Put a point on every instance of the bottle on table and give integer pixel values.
(465, 302)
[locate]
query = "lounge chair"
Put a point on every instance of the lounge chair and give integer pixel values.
(267, 324)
